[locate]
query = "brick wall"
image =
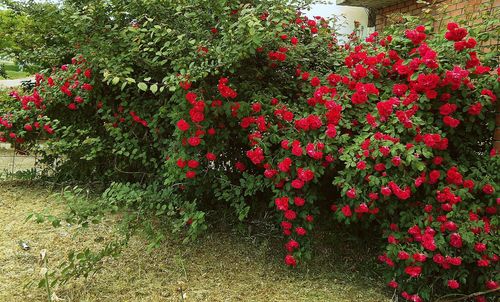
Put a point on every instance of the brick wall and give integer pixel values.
(445, 10)
(441, 9)
(496, 137)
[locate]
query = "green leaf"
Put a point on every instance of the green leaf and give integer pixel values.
(154, 88)
(143, 86)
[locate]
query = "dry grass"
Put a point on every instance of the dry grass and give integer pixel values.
(220, 267)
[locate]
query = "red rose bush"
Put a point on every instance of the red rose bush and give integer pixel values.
(393, 131)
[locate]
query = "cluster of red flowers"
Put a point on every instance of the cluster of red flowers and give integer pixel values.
(421, 88)
(68, 85)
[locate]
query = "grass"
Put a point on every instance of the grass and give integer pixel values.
(13, 71)
(222, 266)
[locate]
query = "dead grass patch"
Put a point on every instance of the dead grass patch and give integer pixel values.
(219, 267)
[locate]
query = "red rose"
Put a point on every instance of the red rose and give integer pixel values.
(282, 203)
(346, 210)
(182, 125)
(488, 189)
(455, 33)
(315, 82)
(193, 164)
(362, 208)
(456, 240)
(240, 166)
(291, 245)
(290, 215)
(191, 97)
(438, 258)
(483, 263)
(305, 175)
(393, 284)
(402, 255)
(331, 132)
(386, 191)
(480, 247)
(194, 141)
(456, 261)
(87, 87)
(210, 156)
(181, 163)
(284, 165)
(453, 284)
(351, 193)
(297, 184)
(196, 115)
(490, 284)
(299, 201)
(48, 129)
(300, 231)
(452, 122)
(475, 109)
(290, 261)
(256, 155)
(286, 225)
(413, 271)
(87, 73)
(361, 165)
(396, 161)
(428, 242)
(419, 257)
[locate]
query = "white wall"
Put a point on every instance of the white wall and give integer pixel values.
(347, 14)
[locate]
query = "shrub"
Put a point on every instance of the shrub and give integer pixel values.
(249, 102)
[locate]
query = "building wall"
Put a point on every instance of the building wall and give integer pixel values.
(346, 14)
(446, 9)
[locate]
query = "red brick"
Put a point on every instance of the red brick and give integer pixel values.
(497, 134)
(460, 5)
(496, 145)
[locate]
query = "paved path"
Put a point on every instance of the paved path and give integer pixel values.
(13, 83)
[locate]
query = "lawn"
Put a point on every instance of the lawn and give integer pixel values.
(13, 71)
(223, 266)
